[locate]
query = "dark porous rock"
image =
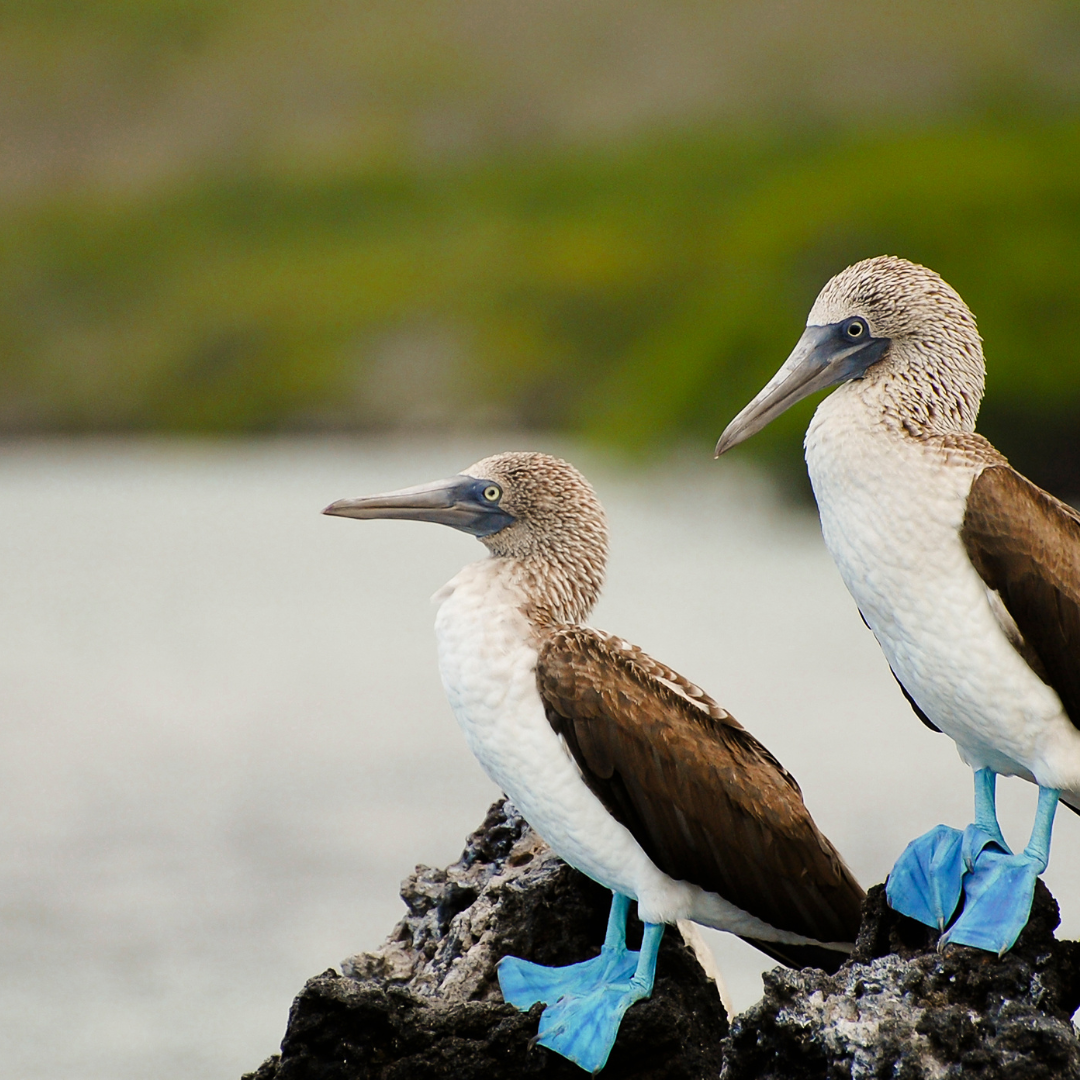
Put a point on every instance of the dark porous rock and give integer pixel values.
(903, 1010)
(427, 1003)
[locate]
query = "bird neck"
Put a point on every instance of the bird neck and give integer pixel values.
(551, 593)
(922, 391)
(558, 594)
(559, 571)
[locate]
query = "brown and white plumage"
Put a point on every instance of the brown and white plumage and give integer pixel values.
(704, 799)
(1025, 545)
(967, 573)
(632, 773)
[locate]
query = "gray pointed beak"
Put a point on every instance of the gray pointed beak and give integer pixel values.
(459, 502)
(822, 358)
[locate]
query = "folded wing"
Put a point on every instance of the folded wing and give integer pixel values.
(1025, 544)
(707, 802)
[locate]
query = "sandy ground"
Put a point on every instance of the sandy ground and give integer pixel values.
(223, 741)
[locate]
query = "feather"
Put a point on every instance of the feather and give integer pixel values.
(707, 802)
(1025, 545)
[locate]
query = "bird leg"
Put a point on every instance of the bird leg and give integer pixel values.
(999, 890)
(984, 830)
(928, 878)
(586, 1001)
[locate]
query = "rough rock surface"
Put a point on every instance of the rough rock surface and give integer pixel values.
(900, 1009)
(427, 1003)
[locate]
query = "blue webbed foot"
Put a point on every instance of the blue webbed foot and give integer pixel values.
(999, 890)
(582, 1027)
(524, 983)
(586, 1001)
(997, 901)
(926, 881)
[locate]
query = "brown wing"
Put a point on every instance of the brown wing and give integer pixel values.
(707, 802)
(1025, 544)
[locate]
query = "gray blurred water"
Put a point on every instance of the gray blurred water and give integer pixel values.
(223, 741)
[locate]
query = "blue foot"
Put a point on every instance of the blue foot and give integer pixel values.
(999, 890)
(582, 1027)
(524, 983)
(997, 902)
(586, 1002)
(926, 881)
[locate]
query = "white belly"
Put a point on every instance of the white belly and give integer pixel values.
(488, 668)
(890, 516)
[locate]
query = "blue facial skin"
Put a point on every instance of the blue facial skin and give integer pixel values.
(823, 357)
(479, 515)
(831, 342)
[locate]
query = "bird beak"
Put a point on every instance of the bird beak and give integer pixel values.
(458, 502)
(822, 358)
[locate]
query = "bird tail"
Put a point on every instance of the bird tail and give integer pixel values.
(800, 956)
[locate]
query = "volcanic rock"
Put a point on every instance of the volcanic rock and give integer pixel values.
(901, 1009)
(427, 1004)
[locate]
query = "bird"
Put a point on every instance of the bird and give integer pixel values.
(630, 772)
(966, 572)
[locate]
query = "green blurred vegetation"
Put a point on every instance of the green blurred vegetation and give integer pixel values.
(635, 294)
(635, 290)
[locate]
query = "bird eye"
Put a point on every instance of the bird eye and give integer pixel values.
(855, 329)
(492, 492)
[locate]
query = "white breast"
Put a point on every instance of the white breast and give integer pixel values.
(891, 510)
(488, 666)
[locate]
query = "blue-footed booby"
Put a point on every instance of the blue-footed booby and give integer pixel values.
(966, 572)
(632, 774)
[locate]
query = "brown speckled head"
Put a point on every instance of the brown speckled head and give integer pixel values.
(898, 335)
(560, 528)
(534, 511)
(935, 356)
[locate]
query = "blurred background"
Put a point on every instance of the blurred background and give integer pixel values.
(258, 256)
(606, 217)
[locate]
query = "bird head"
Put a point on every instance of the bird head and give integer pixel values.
(529, 507)
(883, 320)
